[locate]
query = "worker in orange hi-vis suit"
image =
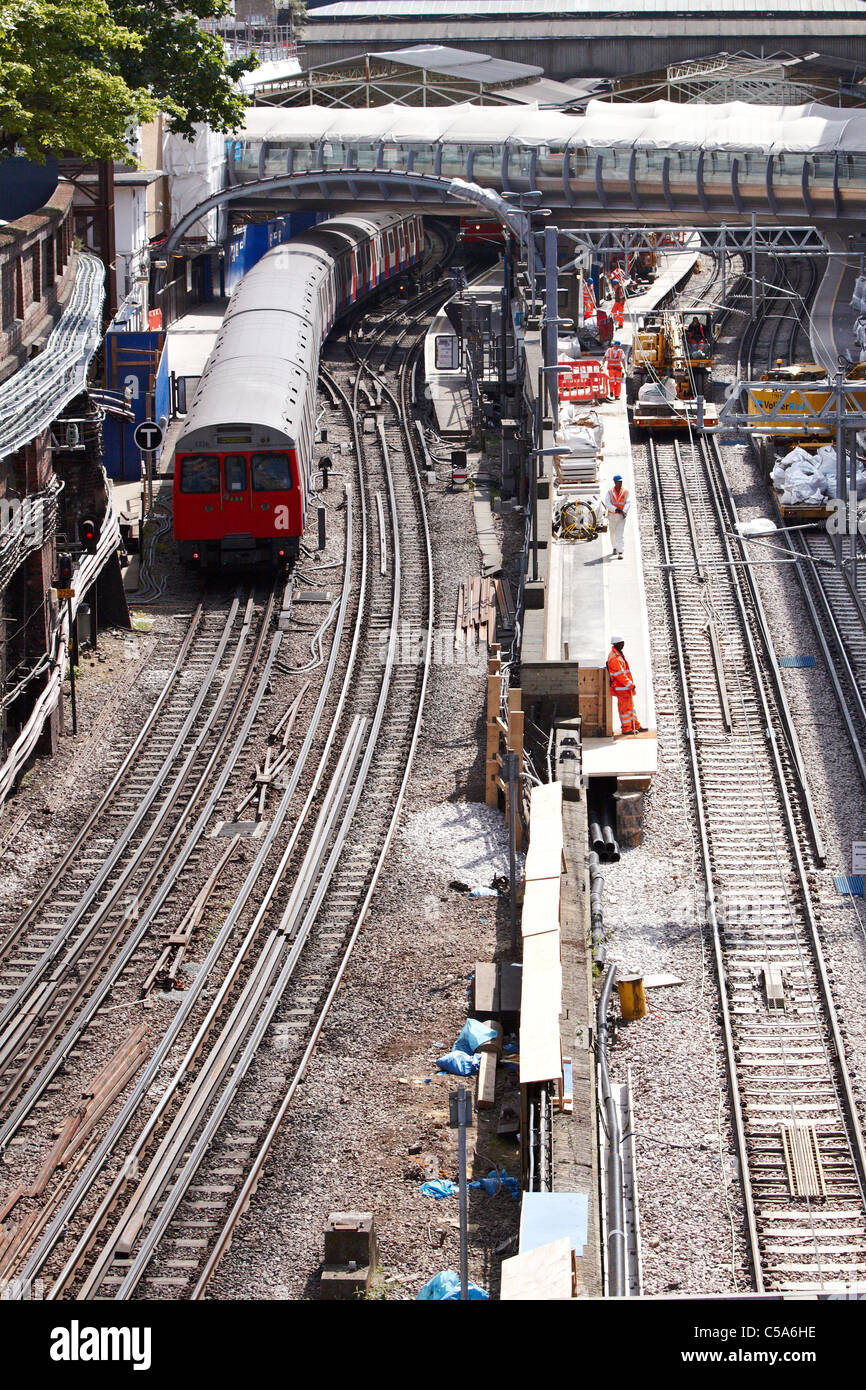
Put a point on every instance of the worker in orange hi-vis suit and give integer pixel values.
(618, 310)
(623, 687)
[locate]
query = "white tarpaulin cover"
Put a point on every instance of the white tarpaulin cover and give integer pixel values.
(195, 168)
(657, 125)
(269, 72)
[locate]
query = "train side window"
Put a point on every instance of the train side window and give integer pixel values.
(200, 473)
(235, 472)
(272, 472)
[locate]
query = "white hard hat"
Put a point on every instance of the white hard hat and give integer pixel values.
(614, 641)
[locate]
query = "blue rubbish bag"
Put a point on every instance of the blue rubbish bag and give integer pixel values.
(474, 1035)
(445, 1287)
(498, 1182)
(438, 1187)
(458, 1063)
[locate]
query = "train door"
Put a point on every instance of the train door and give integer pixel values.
(236, 501)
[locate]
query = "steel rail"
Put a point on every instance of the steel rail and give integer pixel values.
(709, 885)
(143, 921)
(125, 1235)
(69, 1270)
(852, 706)
(49, 955)
(727, 512)
(222, 1059)
(805, 935)
(288, 925)
(251, 1181)
(108, 795)
(785, 720)
(191, 996)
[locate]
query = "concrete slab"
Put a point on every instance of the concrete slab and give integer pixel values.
(624, 755)
(488, 544)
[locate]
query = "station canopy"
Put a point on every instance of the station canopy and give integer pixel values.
(424, 75)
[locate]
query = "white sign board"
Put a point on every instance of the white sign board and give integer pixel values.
(858, 856)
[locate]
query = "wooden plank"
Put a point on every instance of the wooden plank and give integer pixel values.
(541, 1005)
(486, 1082)
(506, 602)
(486, 997)
(541, 903)
(491, 782)
(540, 1275)
(544, 856)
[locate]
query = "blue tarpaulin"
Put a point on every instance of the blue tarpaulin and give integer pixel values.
(445, 1288)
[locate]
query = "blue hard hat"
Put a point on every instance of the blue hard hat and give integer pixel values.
(617, 477)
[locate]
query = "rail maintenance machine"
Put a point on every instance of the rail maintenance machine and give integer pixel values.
(672, 362)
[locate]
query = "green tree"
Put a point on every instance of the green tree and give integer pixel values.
(75, 74)
(61, 83)
(185, 68)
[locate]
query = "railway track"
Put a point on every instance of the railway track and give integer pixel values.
(780, 328)
(190, 1162)
(836, 600)
(63, 956)
(799, 1141)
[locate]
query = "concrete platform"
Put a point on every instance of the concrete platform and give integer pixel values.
(448, 388)
(592, 595)
(831, 322)
(190, 339)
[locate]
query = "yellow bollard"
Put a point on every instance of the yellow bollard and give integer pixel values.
(632, 999)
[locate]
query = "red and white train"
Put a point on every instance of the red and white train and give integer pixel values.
(242, 464)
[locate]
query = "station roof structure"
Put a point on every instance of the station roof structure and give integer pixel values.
(423, 75)
(778, 79)
(555, 9)
(587, 38)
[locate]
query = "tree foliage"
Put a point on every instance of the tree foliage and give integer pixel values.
(61, 84)
(185, 68)
(76, 74)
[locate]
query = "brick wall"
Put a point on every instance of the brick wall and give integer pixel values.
(37, 268)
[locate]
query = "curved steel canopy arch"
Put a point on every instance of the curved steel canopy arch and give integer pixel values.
(516, 219)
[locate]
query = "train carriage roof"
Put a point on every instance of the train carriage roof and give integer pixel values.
(246, 390)
(293, 293)
(266, 333)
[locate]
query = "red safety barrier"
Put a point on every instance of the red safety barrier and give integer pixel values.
(584, 380)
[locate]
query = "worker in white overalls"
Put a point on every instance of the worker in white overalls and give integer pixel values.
(617, 503)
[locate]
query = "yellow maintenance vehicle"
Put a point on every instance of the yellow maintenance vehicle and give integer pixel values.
(672, 361)
(798, 427)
